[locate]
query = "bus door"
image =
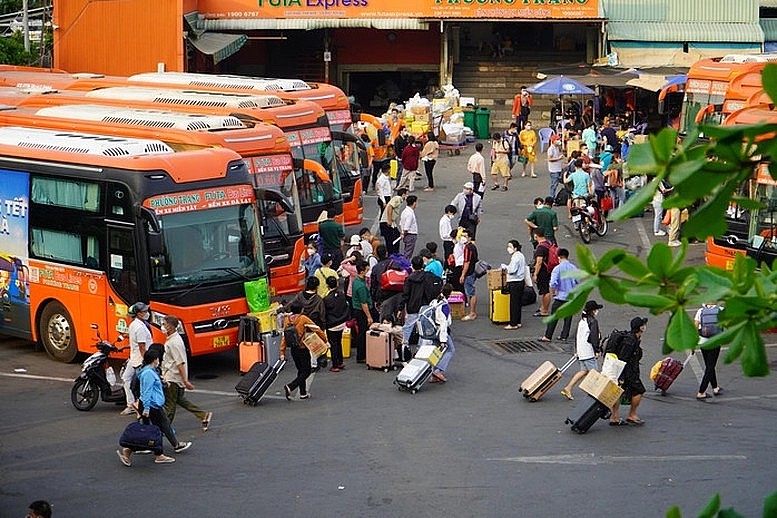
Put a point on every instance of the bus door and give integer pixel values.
(122, 271)
(349, 166)
(763, 223)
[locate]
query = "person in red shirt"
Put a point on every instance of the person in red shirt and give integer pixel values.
(522, 107)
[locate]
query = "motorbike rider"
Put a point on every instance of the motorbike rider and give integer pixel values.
(139, 339)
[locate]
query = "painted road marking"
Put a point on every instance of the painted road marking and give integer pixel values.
(643, 234)
(592, 460)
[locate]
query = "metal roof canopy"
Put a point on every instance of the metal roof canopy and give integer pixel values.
(715, 32)
(218, 45)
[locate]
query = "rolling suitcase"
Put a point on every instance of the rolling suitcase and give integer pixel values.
(345, 341)
(499, 307)
(543, 379)
(257, 380)
(250, 348)
(668, 372)
(586, 413)
(379, 354)
(419, 368)
(272, 346)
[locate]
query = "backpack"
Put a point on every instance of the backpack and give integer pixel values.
(432, 286)
(481, 268)
(614, 342)
(552, 261)
(291, 336)
(427, 322)
(708, 322)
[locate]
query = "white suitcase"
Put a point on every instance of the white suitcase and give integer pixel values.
(413, 375)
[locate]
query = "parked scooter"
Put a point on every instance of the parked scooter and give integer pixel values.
(95, 382)
(587, 218)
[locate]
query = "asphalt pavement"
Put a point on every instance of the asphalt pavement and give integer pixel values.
(358, 447)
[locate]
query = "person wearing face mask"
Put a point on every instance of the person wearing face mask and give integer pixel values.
(151, 407)
(313, 261)
(468, 277)
(542, 216)
(445, 229)
(175, 374)
(139, 334)
(587, 346)
(468, 204)
(516, 280)
(528, 139)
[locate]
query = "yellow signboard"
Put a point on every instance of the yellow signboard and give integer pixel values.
(478, 9)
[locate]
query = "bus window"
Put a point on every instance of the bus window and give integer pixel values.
(123, 270)
(209, 246)
(65, 192)
(64, 247)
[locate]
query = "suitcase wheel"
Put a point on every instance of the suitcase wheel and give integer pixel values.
(607, 414)
(369, 368)
(567, 421)
(414, 391)
(578, 430)
(532, 399)
(386, 369)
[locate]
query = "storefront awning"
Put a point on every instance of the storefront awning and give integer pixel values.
(218, 45)
(280, 24)
(769, 26)
(685, 32)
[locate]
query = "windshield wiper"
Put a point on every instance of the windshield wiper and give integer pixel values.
(227, 269)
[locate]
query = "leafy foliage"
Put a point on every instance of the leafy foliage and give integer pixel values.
(710, 172)
(713, 510)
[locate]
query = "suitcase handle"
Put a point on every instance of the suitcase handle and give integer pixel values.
(568, 364)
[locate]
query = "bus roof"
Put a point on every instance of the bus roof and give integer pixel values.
(178, 130)
(759, 98)
(221, 81)
(729, 67)
(751, 115)
(81, 143)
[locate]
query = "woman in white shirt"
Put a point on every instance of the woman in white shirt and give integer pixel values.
(516, 277)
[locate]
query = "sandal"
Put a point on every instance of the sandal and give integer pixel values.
(544, 339)
(287, 390)
(635, 422)
(717, 392)
(567, 395)
(702, 398)
(619, 422)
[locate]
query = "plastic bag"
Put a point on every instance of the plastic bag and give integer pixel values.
(257, 295)
(612, 366)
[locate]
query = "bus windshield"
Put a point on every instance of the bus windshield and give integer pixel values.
(208, 247)
(699, 94)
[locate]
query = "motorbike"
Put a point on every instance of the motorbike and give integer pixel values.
(588, 218)
(95, 382)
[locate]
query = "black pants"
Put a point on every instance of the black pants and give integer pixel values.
(359, 340)
(301, 357)
(335, 346)
(710, 360)
(337, 257)
(429, 168)
(390, 235)
(158, 417)
(447, 248)
(377, 165)
(552, 326)
(477, 181)
(515, 289)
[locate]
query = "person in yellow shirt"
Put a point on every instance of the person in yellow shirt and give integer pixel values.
(528, 138)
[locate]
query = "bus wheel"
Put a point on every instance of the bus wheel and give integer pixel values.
(58, 333)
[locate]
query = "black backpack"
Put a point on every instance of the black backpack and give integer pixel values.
(291, 336)
(614, 342)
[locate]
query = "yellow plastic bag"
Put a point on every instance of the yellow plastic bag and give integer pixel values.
(655, 369)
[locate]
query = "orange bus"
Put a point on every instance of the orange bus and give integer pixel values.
(304, 124)
(716, 86)
(330, 98)
(264, 148)
(95, 223)
(744, 225)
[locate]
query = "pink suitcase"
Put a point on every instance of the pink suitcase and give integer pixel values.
(379, 350)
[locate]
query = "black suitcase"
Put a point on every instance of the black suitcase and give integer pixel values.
(586, 413)
(256, 381)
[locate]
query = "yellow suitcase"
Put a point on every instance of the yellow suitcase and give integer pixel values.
(499, 307)
(346, 342)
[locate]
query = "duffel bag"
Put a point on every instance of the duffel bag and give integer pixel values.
(139, 436)
(393, 280)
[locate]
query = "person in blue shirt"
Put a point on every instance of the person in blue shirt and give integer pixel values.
(560, 286)
(581, 181)
(152, 399)
(431, 264)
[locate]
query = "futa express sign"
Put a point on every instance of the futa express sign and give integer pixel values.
(403, 9)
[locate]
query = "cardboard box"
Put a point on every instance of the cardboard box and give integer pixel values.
(422, 117)
(315, 344)
(640, 139)
(456, 302)
(602, 388)
(496, 278)
(572, 145)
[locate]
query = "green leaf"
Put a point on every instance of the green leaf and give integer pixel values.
(713, 279)
(663, 145)
(632, 266)
(611, 290)
(674, 512)
(659, 259)
(642, 159)
(709, 219)
(680, 172)
(736, 346)
(681, 333)
(754, 362)
(723, 338)
(571, 307)
(711, 508)
(729, 513)
(648, 300)
(586, 259)
(747, 203)
(609, 259)
(637, 202)
(769, 80)
(770, 505)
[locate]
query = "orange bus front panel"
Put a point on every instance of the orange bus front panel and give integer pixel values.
(720, 256)
(353, 210)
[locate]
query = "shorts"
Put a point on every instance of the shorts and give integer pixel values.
(589, 365)
(469, 285)
(543, 283)
(501, 167)
(632, 387)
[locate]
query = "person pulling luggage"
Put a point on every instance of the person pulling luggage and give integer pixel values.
(587, 346)
(442, 316)
(295, 325)
(629, 351)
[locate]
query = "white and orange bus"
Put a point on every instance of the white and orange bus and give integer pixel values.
(93, 223)
(264, 148)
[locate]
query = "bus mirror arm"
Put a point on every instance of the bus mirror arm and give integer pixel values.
(277, 196)
(149, 216)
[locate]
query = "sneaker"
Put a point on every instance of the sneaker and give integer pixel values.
(674, 243)
(124, 458)
(467, 318)
(305, 396)
(164, 459)
(495, 188)
(659, 233)
(429, 189)
(182, 446)
(206, 421)
(128, 411)
(504, 188)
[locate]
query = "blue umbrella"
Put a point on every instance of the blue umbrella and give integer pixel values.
(560, 86)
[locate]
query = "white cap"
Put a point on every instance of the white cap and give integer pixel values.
(355, 240)
(469, 185)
